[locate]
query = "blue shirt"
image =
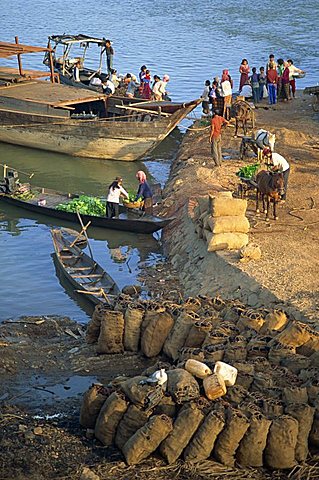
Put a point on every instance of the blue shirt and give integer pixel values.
(144, 191)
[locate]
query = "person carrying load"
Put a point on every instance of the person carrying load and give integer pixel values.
(144, 191)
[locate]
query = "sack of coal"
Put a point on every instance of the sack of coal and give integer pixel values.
(304, 414)
(295, 334)
(141, 393)
(92, 403)
(111, 333)
(146, 440)
(94, 325)
(228, 440)
(179, 333)
(185, 425)
(314, 434)
(252, 445)
(202, 443)
(109, 417)
(133, 419)
(156, 333)
(133, 319)
(281, 443)
(197, 333)
(182, 386)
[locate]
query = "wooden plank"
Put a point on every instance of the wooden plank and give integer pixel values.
(78, 100)
(92, 275)
(143, 110)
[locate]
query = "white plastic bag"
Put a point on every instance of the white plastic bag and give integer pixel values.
(265, 92)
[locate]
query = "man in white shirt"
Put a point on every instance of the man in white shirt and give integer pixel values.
(76, 72)
(108, 87)
(292, 73)
(280, 164)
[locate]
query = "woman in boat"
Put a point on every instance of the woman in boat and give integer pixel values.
(144, 191)
(113, 198)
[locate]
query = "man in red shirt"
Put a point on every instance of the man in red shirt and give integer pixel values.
(272, 80)
(215, 137)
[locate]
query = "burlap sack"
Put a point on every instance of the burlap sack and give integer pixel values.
(109, 417)
(204, 439)
(228, 440)
(304, 414)
(230, 224)
(281, 443)
(295, 334)
(218, 303)
(310, 347)
(182, 386)
(142, 395)
(222, 206)
(111, 333)
(156, 333)
(214, 353)
(235, 394)
(262, 381)
(185, 425)
(215, 337)
(250, 319)
(314, 434)
(192, 304)
(152, 310)
(92, 403)
(197, 333)
(274, 321)
(279, 351)
(94, 325)
(251, 447)
(244, 379)
(179, 333)
(166, 406)
(235, 353)
(186, 352)
(272, 407)
(295, 394)
(133, 419)
(122, 302)
(226, 241)
(133, 319)
(146, 440)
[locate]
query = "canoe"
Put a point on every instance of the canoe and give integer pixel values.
(86, 276)
(45, 200)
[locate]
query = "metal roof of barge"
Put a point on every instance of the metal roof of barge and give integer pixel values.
(53, 94)
(69, 39)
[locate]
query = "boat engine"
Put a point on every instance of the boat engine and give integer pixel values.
(10, 182)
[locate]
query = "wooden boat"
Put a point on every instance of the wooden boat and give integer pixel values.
(86, 276)
(66, 119)
(44, 202)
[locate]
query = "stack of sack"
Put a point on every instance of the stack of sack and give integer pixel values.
(273, 407)
(220, 220)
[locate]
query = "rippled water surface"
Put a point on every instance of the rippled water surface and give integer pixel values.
(191, 41)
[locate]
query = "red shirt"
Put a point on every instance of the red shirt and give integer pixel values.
(272, 76)
(216, 126)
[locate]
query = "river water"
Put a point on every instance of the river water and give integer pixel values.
(191, 41)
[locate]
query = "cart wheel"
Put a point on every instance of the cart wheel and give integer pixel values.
(315, 103)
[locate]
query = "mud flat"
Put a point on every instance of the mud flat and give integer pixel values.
(289, 267)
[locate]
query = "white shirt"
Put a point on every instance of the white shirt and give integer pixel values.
(226, 88)
(205, 94)
(110, 85)
(114, 194)
(159, 87)
(76, 74)
(292, 71)
(279, 161)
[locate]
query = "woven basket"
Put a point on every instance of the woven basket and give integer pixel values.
(133, 204)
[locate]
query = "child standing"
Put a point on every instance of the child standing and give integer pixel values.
(255, 85)
(262, 79)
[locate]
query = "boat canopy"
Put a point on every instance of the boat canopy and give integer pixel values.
(71, 39)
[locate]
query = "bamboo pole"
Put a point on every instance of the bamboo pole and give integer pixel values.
(86, 236)
(19, 58)
(143, 110)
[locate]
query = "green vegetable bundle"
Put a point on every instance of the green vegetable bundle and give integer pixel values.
(248, 171)
(85, 205)
(24, 195)
(131, 198)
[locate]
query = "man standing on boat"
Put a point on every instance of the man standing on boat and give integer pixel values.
(113, 198)
(109, 56)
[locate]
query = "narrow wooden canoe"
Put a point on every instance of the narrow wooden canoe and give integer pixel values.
(128, 221)
(86, 276)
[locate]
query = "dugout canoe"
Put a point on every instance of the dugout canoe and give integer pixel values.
(45, 200)
(83, 273)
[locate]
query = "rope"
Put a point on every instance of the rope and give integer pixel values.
(30, 175)
(194, 129)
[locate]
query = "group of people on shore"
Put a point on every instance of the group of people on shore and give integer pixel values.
(277, 82)
(116, 191)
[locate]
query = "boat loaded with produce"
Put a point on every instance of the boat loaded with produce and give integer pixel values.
(66, 206)
(65, 119)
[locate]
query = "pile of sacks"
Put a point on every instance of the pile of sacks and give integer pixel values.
(221, 221)
(269, 417)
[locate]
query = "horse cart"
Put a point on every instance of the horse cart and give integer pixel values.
(245, 186)
(314, 91)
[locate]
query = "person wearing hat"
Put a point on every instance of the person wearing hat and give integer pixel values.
(113, 197)
(278, 163)
(144, 191)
